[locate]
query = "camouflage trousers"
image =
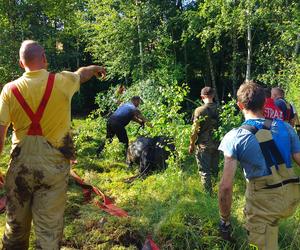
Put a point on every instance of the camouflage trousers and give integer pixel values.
(207, 160)
(265, 207)
(36, 185)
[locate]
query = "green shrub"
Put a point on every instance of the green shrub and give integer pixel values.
(230, 118)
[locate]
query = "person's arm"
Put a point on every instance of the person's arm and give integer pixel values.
(296, 117)
(198, 116)
(139, 118)
(292, 115)
(282, 106)
(86, 73)
(296, 158)
(225, 188)
(297, 124)
(194, 135)
(294, 120)
(3, 131)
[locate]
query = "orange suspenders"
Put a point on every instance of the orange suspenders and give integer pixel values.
(35, 127)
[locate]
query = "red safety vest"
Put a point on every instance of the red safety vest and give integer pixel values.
(35, 126)
(271, 111)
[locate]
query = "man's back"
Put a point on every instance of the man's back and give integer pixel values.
(124, 114)
(207, 116)
(271, 111)
(55, 122)
(286, 108)
(242, 145)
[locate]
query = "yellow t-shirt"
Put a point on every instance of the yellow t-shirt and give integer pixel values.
(56, 119)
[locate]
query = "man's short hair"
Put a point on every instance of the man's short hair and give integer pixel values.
(279, 90)
(136, 98)
(207, 91)
(30, 50)
(251, 95)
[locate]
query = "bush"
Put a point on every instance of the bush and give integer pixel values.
(230, 118)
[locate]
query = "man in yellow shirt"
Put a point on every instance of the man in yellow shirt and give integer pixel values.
(38, 105)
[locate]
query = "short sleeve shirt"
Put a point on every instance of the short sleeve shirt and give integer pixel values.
(271, 111)
(282, 105)
(56, 119)
(124, 114)
(243, 146)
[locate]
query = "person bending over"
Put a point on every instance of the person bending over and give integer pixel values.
(119, 119)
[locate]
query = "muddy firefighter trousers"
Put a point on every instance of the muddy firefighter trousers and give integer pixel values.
(36, 185)
(265, 207)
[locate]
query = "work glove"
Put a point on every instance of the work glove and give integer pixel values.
(225, 230)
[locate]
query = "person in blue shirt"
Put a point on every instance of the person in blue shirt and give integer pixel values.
(265, 149)
(277, 94)
(120, 119)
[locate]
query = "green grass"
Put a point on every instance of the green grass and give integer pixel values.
(170, 206)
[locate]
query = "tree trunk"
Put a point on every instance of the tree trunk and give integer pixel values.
(137, 2)
(234, 62)
(185, 63)
(249, 46)
(212, 72)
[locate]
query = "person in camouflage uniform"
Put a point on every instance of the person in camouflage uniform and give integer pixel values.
(205, 121)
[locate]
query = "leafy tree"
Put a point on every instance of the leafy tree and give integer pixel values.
(48, 22)
(133, 38)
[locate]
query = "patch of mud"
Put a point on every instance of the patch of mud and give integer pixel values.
(16, 152)
(68, 148)
(22, 190)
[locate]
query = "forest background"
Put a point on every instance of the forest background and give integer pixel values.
(165, 51)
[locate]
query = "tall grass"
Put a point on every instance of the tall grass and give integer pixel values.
(171, 205)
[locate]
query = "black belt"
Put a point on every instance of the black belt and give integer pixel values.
(280, 184)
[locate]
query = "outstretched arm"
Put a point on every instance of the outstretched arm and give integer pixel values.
(86, 73)
(139, 118)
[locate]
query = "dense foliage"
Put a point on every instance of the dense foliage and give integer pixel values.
(196, 42)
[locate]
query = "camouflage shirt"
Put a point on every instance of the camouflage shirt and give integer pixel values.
(206, 119)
